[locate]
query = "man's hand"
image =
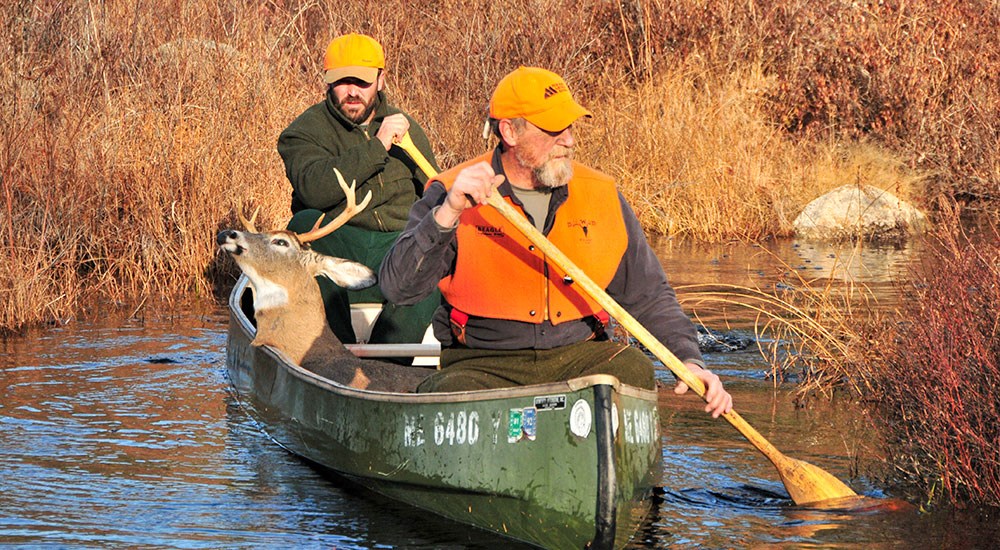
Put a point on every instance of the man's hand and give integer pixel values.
(717, 398)
(393, 128)
(473, 185)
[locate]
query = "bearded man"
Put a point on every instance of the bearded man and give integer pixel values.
(509, 317)
(353, 130)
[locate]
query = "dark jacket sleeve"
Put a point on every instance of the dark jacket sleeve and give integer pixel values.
(422, 255)
(640, 286)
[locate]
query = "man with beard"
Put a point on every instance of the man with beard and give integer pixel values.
(353, 130)
(509, 317)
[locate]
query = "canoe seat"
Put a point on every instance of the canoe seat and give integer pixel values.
(363, 317)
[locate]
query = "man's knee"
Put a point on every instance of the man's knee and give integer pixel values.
(446, 380)
(631, 366)
(303, 220)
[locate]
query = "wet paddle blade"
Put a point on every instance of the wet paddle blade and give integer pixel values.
(808, 484)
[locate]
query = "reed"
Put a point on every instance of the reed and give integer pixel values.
(925, 372)
(805, 328)
(133, 131)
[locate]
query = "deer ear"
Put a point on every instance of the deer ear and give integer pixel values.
(345, 273)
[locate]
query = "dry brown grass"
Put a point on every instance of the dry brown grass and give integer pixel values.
(697, 156)
(133, 131)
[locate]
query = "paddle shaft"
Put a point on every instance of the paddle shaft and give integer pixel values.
(406, 144)
(805, 483)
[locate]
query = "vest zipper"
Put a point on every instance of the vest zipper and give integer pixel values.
(545, 298)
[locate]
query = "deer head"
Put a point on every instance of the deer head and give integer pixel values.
(282, 270)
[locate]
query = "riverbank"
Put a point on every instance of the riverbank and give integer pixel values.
(135, 132)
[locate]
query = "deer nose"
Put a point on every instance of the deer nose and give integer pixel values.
(225, 235)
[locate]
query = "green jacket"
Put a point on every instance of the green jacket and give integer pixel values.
(322, 138)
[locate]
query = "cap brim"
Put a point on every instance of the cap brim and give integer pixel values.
(367, 74)
(560, 117)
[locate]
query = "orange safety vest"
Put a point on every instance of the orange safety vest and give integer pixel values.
(499, 274)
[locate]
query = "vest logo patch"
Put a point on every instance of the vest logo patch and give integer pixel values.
(489, 231)
(584, 226)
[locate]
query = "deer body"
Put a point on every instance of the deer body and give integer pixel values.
(288, 307)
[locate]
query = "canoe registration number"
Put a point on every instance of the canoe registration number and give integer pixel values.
(455, 428)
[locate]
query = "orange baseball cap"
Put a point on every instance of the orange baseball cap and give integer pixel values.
(353, 55)
(539, 96)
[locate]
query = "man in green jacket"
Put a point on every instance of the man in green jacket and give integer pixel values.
(354, 130)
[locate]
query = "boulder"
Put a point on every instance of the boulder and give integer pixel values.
(859, 212)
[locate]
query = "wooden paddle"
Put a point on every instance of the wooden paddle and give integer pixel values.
(806, 484)
(406, 144)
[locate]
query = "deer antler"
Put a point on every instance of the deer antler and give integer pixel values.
(349, 212)
(248, 224)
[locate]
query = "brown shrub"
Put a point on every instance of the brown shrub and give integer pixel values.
(934, 374)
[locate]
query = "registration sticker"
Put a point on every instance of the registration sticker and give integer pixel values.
(529, 423)
(514, 429)
(522, 424)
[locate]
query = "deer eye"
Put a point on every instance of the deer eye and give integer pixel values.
(280, 242)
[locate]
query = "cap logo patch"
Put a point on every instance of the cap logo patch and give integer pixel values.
(555, 89)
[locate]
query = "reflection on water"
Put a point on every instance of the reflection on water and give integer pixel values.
(129, 436)
(782, 266)
(748, 265)
(125, 436)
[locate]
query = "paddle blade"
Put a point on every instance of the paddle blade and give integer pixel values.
(808, 484)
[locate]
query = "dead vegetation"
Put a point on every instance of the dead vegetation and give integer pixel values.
(133, 131)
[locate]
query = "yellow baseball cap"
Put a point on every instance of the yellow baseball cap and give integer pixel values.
(539, 96)
(353, 55)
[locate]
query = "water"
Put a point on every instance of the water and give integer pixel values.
(128, 436)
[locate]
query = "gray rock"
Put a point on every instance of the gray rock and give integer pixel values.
(859, 212)
(714, 341)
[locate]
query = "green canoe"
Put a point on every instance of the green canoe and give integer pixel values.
(561, 465)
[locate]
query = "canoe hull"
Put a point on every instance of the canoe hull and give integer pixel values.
(561, 465)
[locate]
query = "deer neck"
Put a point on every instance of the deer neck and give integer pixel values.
(297, 324)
